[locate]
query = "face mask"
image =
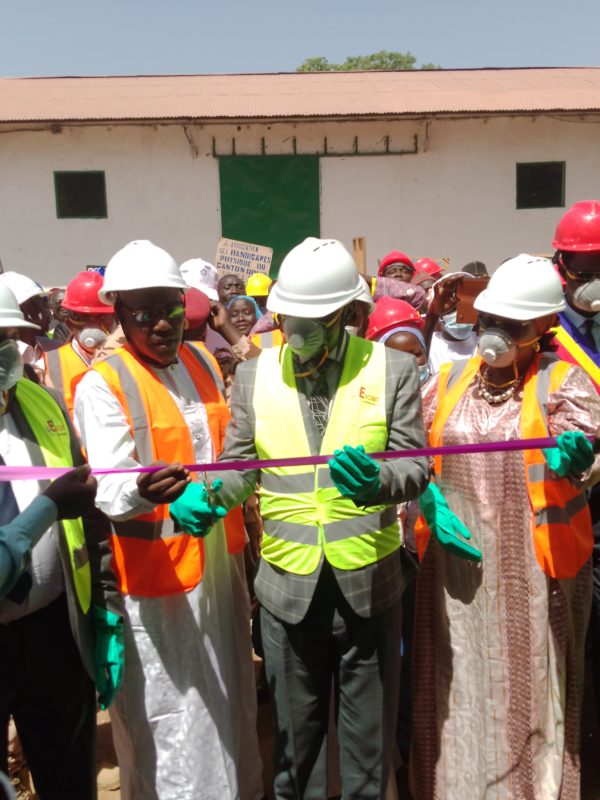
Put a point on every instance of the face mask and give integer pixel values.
(497, 348)
(305, 337)
(457, 330)
(423, 373)
(92, 337)
(587, 296)
(11, 365)
(352, 330)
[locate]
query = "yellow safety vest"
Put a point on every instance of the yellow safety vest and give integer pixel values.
(47, 423)
(303, 512)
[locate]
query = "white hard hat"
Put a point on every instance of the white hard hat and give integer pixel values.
(201, 275)
(365, 296)
(140, 265)
(522, 288)
(315, 279)
(23, 287)
(11, 315)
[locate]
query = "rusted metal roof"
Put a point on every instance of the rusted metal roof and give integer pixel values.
(299, 95)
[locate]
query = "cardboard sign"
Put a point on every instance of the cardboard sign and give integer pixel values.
(242, 258)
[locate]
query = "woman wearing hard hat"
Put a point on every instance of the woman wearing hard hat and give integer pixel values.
(499, 647)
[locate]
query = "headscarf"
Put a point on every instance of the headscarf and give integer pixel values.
(404, 329)
(249, 299)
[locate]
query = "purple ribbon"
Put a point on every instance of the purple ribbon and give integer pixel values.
(8, 473)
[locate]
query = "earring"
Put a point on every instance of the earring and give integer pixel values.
(536, 347)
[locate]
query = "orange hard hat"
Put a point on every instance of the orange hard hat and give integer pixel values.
(81, 294)
(579, 228)
(389, 313)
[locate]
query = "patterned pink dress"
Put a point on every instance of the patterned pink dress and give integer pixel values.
(499, 647)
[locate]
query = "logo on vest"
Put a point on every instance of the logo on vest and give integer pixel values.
(56, 427)
(367, 397)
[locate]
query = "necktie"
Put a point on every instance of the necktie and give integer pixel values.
(588, 329)
(318, 401)
(8, 511)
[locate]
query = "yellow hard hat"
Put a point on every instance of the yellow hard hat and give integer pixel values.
(258, 285)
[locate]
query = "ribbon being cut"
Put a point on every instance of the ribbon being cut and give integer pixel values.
(12, 473)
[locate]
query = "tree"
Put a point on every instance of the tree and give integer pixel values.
(385, 59)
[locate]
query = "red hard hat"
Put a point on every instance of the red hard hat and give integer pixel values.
(579, 228)
(430, 266)
(389, 313)
(395, 257)
(81, 294)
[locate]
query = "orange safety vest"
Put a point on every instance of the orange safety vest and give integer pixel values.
(560, 517)
(152, 559)
(64, 365)
(569, 350)
(272, 338)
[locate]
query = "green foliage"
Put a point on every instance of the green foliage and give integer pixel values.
(385, 59)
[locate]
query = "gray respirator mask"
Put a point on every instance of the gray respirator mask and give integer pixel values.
(587, 296)
(11, 365)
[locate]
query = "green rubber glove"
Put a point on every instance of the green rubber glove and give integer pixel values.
(573, 455)
(355, 474)
(197, 509)
(109, 654)
(445, 525)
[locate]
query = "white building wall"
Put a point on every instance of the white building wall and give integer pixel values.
(455, 198)
(458, 199)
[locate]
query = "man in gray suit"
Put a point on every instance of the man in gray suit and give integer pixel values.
(330, 577)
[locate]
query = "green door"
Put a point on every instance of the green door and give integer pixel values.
(270, 200)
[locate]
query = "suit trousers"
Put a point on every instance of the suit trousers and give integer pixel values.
(360, 657)
(52, 699)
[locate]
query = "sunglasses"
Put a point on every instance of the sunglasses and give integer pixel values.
(150, 316)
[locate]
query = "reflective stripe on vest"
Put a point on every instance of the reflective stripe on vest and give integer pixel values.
(52, 436)
(152, 558)
(303, 512)
(561, 522)
(63, 365)
(267, 339)
(569, 350)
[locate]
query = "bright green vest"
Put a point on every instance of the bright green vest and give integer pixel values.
(303, 512)
(52, 435)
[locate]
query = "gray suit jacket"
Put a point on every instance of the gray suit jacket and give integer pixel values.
(368, 590)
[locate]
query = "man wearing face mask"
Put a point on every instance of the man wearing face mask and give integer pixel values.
(90, 321)
(454, 340)
(60, 611)
(33, 302)
(330, 578)
(577, 258)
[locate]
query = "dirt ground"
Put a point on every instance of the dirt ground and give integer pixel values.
(108, 771)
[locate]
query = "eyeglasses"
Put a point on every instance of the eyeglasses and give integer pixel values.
(150, 316)
(581, 277)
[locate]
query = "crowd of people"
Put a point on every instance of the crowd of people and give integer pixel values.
(223, 489)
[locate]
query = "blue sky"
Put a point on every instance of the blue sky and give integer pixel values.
(111, 37)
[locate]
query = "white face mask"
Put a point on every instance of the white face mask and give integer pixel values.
(497, 348)
(423, 373)
(587, 296)
(11, 365)
(92, 338)
(457, 330)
